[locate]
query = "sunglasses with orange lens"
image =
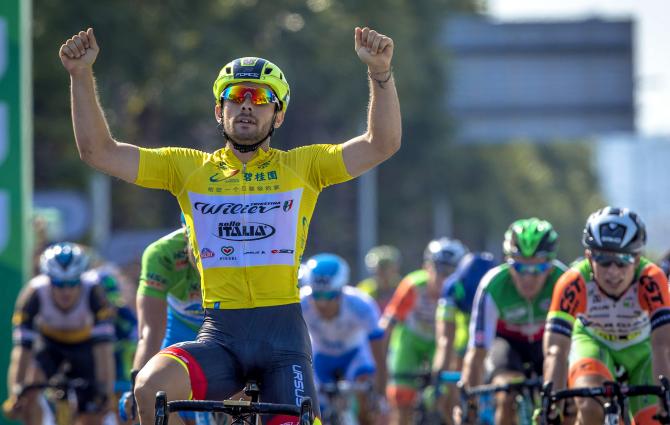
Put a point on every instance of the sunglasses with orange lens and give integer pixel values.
(257, 95)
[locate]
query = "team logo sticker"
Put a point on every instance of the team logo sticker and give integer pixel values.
(227, 250)
(206, 253)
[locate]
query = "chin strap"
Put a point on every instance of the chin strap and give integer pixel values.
(254, 146)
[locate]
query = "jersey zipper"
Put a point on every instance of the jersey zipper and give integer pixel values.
(244, 242)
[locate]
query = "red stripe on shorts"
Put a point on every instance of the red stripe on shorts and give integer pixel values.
(283, 420)
(195, 373)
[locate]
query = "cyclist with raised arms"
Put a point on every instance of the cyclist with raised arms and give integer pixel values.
(510, 309)
(383, 263)
(452, 319)
(610, 310)
(409, 323)
(169, 302)
(249, 208)
(62, 324)
(343, 324)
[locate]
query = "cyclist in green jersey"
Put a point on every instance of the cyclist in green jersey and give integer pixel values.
(169, 304)
(409, 323)
(509, 311)
(248, 237)
(609, 312)
(383, 263)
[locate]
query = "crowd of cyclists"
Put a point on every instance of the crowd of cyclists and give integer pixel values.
(227, 301)
(389, 337)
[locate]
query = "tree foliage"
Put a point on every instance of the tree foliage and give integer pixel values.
(158, 61)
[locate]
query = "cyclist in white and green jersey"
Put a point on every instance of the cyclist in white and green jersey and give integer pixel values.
(509, 311)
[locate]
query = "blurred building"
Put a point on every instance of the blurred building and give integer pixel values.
(633, 172)
(539, 81)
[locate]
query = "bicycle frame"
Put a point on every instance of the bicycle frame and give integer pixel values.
(338, 395)
(524, 398)
(423, 379)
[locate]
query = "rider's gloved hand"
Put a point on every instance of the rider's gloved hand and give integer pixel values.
(126, 406)
(9, 407)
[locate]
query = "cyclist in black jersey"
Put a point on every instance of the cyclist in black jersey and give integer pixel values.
(63, 323)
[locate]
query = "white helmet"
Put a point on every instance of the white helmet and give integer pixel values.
(615, 229)
(64, 262)
(445, 251)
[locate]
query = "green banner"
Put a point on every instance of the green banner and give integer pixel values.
(15, 164)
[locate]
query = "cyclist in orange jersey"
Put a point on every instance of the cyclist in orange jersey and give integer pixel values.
(609, 311)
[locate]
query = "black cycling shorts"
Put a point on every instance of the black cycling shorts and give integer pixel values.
(52, 356)
(267, 344)
(507, 355)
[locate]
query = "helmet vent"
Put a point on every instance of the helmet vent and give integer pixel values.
(268, 70)
(228, 70)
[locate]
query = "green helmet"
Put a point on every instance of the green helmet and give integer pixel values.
(531, 237)
(253, 70)
(381, 256)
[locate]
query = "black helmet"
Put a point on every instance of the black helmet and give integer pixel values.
(615, 229)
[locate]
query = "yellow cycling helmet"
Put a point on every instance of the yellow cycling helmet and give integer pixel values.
(253, 70)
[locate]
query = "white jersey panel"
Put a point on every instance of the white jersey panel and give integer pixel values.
(246, 230)
(353, 326)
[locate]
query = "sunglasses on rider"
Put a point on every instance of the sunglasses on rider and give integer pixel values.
(258, 95)
(524, 268)
(621, 260)
(325, 295)
(65, 283)
(443, 268)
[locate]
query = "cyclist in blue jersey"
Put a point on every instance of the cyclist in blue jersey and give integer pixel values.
(452, 318)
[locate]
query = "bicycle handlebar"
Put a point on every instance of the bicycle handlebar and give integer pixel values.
(233, 407)
(610, 390)
(345, 387)
(76, 383)
(509, 387)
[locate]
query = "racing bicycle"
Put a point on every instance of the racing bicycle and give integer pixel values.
(612, 396)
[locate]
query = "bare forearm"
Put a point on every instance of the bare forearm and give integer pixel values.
(384, 121)
(445, 331)
(661, 360)
(91, 131)
(379, 355)
(473, 367)
(148, 345)
(105, 370)
(555, 369)
(18, 366)
(442, 359)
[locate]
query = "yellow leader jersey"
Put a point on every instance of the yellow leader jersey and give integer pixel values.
(248, 222)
